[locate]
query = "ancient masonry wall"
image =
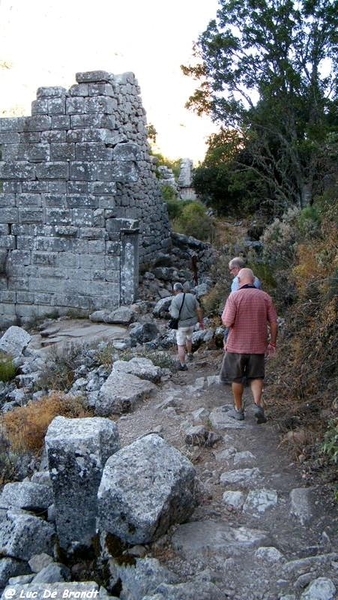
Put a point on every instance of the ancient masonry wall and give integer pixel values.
(80, 206)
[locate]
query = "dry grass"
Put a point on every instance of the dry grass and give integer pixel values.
(25, 427)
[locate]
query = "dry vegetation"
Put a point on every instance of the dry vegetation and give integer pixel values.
(25, 427)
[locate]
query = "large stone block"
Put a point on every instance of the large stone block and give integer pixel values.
(120, 393)
(77, 451)
(146, 487)
(23, 535)
(14, 341)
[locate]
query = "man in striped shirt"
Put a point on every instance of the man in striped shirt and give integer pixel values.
(251, 316)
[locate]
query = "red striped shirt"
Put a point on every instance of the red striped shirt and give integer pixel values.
(248, 311)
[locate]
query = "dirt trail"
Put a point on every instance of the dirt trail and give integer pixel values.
(262, 530)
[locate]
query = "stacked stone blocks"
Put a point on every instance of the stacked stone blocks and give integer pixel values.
(79, 200)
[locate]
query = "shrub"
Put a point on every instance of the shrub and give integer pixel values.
(60, 367)
(175, 208)
(195, 221)
(213, 302)
(8, 461)
(104, 354)
(25, 427)
(280, 240)
(330, 443)
(169, 194)
(7, 367)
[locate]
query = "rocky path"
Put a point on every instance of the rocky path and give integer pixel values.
(260, 530)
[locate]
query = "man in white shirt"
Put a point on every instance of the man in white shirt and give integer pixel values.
(235, 265)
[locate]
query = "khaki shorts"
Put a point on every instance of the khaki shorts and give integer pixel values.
(183, 334)
(250, 366)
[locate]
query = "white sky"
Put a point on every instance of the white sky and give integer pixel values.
(47, 41)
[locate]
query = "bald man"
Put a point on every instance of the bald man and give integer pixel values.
(252, 319)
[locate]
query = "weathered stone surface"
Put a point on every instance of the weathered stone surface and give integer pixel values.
(143, 332)
(145, 488)
(61, 165)
(258, 501)
(11, 567)
(242, 477)
(121, 392)
(52, 573)
(269, 554)
(321, 588)
(161, 309)
(216, 536)
(234, 499)
(301, 504)
(139, 366)
(27, 495)
(23, 535)
(203, 590)
(39, 561)
(142, 578)
(77, 451)
(123, 315)
(14, 341)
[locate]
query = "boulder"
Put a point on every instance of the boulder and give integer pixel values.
(139, 366)
(11, 567)
(77, 451)
(146, 487)
(120, 392)
(143, 332)
(14, 341)
(27, 495)
(23, 535)
(161, 308)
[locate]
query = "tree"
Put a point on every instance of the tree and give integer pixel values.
(268, 69)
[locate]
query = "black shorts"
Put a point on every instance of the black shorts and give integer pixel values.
(250, 366)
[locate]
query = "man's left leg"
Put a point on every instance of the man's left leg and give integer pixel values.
(188, 345)
(256, 374)
(256, 386)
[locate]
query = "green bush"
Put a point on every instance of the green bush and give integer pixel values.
(168, 193)
(7, 367)
(309, 221)
(330, 443)
(195, 221)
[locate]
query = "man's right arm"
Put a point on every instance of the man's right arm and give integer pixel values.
(200, 316)
(228, 313)
(273, 333)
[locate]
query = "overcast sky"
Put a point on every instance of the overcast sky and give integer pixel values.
(45, 42)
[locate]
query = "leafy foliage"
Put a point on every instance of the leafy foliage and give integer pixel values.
(307, 366)
(330, 443)
(7, 367)
(260, 68)
(193, 220)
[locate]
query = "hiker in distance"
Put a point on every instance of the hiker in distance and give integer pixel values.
(186, 308)
(251, 316)
(235, 265)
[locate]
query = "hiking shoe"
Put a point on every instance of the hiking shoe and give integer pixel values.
(190, 356)
(260, 415)
(236, 414)
(182, 367)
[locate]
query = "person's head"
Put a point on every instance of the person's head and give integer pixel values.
(245, 277)
(235, 265)
(178, 288)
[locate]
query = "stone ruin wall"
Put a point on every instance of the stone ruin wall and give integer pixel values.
(80, 206)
